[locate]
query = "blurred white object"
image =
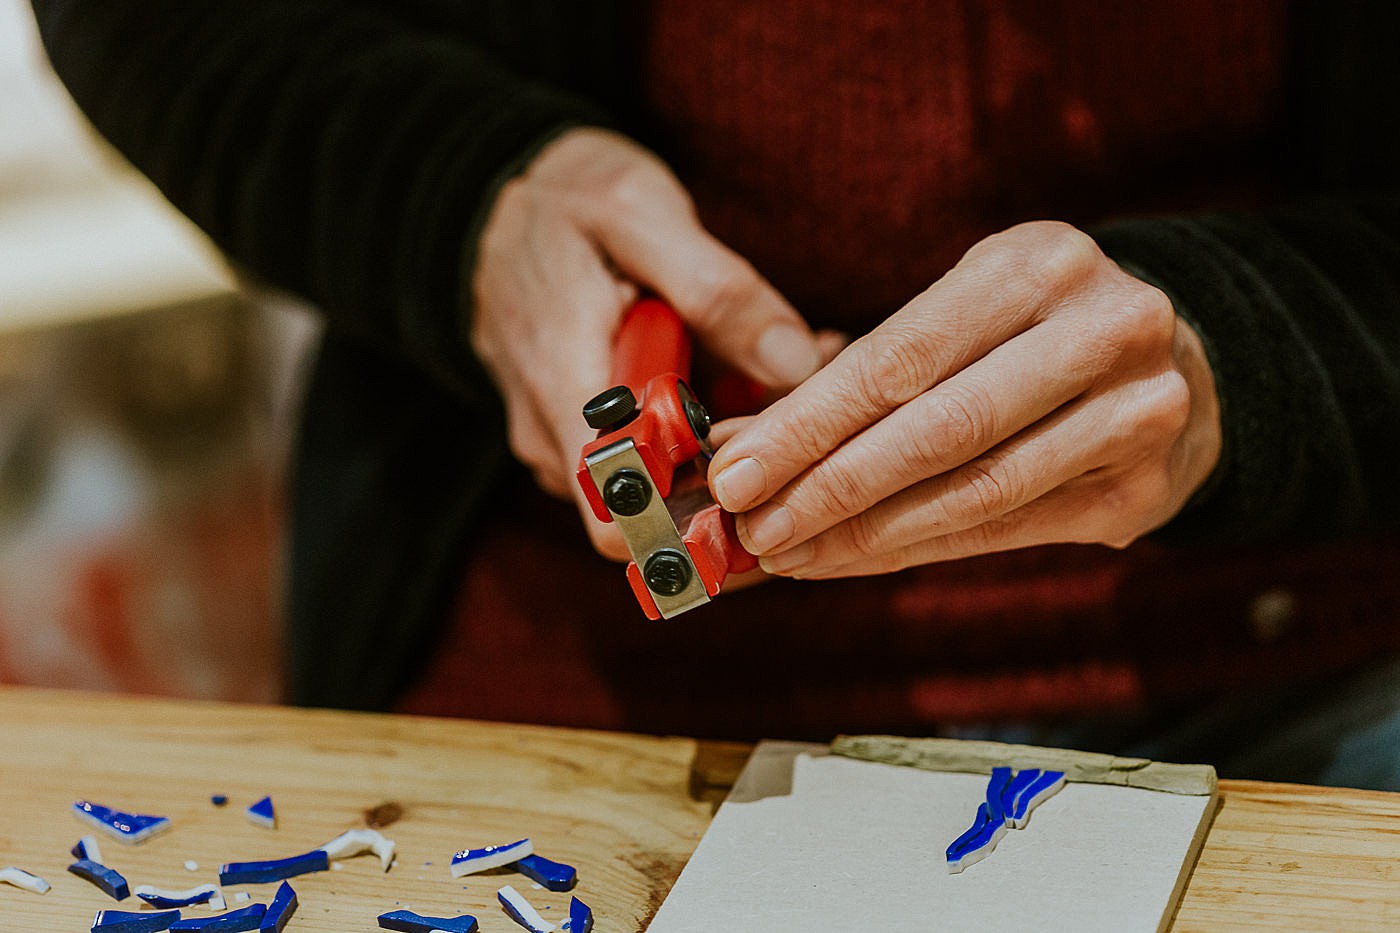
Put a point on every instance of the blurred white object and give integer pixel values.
(82, 235)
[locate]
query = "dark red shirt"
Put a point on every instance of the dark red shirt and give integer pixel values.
(853, 151)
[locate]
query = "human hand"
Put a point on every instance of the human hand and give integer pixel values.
(1037, 393)
(565, 249)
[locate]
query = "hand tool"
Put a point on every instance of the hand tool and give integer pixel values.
(646, 469)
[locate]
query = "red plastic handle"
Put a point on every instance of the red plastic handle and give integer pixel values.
(650, 341)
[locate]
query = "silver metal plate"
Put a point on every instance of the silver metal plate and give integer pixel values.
(650, 530)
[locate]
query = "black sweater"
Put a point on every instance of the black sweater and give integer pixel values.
(350, 151)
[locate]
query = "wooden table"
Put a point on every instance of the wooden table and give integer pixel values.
(626, 810)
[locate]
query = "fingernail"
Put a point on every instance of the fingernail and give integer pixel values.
(788, 354)
(769, 528)
(739, 484)
(787, 561)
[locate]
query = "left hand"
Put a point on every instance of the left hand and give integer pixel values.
(1037, 393)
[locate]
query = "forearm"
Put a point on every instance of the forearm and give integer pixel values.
(336, 150)
(1299, 311)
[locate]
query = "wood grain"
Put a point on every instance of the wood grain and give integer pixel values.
(615, 806)
(1278, 857)
(1283, 857)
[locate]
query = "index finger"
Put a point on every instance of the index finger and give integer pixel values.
(942, 331)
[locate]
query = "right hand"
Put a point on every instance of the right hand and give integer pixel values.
(566, 249)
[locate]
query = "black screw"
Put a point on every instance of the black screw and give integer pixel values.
(627, 492)
(611, 408)
(698, 417)
(667, 572)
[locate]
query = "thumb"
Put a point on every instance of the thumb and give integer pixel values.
(729, 307)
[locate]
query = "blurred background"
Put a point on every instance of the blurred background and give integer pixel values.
(148, 400)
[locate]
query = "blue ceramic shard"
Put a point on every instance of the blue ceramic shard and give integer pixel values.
(978, 842)
(126, 921)
(167, 900)
(130, 828)
(235, 921)
(1019, 782)
(108, 879)
(520, 910)
(406, 921)
(469, 861)
(996, 786)
(280, 910)
(274, 869)
(86, 847)
(1045, 785)
(553, 875)
(580, 916)
(219, 800)
(262, 814)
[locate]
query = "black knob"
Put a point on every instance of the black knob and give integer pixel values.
(695, 413)
(611, 408)
(667, 572)
(627, 492)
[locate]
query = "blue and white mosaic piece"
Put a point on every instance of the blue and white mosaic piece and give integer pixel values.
(406, 921)
(470, 861)
(108, 879)
(130, 828)
(272, 870)
(280, 910)
(262, 814)
(556, 876)
(235, 921)
(521, 911)
(207, 894)
(127, 921)
(580, 917)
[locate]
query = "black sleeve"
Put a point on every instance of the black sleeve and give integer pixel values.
(345, 151)
(1299, 306)
(1299, 311)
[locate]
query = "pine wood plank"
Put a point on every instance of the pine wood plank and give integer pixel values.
(615, 806)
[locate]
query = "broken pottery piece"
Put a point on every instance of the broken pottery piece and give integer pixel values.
(129, 828)
(470, 861)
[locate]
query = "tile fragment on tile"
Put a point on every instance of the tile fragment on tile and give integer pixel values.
(1045, 786)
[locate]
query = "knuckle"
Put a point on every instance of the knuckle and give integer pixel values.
(894, 372)
(863, 536)
(717, 291)
(1169, 405)
(1068, 249)
(1041, 257)
(627, 191)
(956, 425)
(991, 488)
(1146, 319)
(833, 492)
